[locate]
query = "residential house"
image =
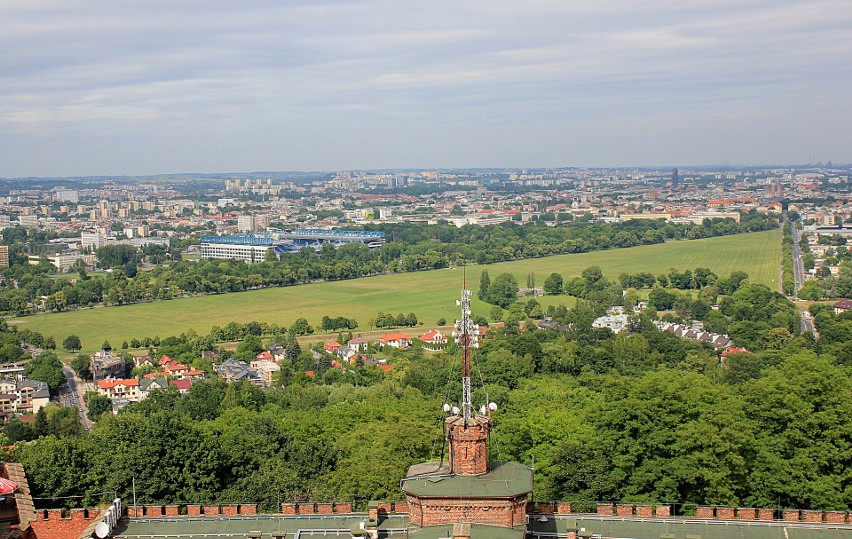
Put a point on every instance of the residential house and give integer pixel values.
(347, 353)
(615, 322)
(105, 365)
(267, 369)
(119, 388)
(359, 344)
(843, 306)
(331, 347)
(279, 353)
(181, 385)
(432, 340)
(266, 355)
(143, 361)
(234, 371)
(695, 334)
(23, 396)
(396, 340)
(155, 383)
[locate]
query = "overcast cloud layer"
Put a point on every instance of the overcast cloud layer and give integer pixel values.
(136, 87)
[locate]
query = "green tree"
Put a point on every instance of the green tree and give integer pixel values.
(98, 405)
(553, 284)
(71, 343)
(46, 368)
(80, 364)
(484, 285)
(503, 291)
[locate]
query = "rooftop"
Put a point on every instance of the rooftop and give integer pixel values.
(503, 480)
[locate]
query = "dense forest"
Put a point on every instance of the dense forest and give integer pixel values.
(409, 248)
(638, 416)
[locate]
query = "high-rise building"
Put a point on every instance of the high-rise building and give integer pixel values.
(675, 178)
(4, 256)
(245, 223)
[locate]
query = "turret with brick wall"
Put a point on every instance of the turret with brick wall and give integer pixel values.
(468, 444)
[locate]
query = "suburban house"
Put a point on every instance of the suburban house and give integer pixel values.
(331, 347)
(105, 365)
(120, 388)
(147, 385)
(359, 344)
(23, 396)
(843, 306)
(278, 352)
(267, 369)
(396, 340)
(234, 371)
(695, 334)
(181, 385)
(348, 353)
(432, 339)
(615, 322)
(266, 355)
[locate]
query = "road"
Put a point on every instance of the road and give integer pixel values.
(73, 395)
(807, 323)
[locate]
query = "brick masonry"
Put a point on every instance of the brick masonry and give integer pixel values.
(746, 513)
(54, 524)
(468, 447)
(624, 510)
(325, 508)
(835, 517)
(289, 509)
(704, 512)
(343, 507)
(766, 514)
(812, 516)
(644, 510)
(791, 515)
(230, 510)
(664, 511)
(606, 509)
(306, 508)
(725, 513)
(495, 512)
(193, 510)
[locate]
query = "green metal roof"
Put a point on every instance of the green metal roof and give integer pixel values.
(615, 527)
(477, 531)
(268, 526)
(503, 480)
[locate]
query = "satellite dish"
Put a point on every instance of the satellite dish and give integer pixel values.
(482, 410)
(492, 406)
(455, 410)
(102, 530)
(447, 407)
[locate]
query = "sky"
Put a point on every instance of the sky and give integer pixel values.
(97, 87)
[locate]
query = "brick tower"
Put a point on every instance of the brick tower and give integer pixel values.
(468, 489)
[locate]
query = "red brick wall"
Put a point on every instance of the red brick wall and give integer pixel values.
(725, 513)
(835, 517)
(288, 509)
(230, 510)
(435, 511)
(172, 510)
(193, 510)
(211, 510)
(663, 511)
(704, 512)
(248, 509)
(57, 527)
(468, 450)
(791, 515)
(746, 513)
(624, 510)
(606, 509)
(812, 516)
(306, 508)
(400, 507)
(564, 508)
(766, 514)
(343, 507)
(644, 510)
(325, 508)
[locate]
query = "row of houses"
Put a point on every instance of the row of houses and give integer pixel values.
(696, 334)
(23, 397)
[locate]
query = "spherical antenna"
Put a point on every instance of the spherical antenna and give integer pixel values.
(492, 406)
(447, 407)
(102, 530)
(455, 410)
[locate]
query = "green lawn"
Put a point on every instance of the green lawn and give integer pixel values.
(428, 294)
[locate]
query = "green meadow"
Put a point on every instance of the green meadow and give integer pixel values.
(429, 294)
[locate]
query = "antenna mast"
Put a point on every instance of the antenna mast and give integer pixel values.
(466, 339)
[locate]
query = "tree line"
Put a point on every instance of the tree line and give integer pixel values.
(409, 248)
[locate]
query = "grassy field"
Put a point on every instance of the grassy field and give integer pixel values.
(428, 294)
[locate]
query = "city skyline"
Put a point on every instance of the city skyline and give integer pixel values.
(151, 88)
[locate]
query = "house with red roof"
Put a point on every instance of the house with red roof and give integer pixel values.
(266, 355)
(331, 346)
(181, 385)
(122, 388)
(431, 340)
(396, 340)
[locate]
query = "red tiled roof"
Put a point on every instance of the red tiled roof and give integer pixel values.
(111, 383)
(395, 337)
(182, 385)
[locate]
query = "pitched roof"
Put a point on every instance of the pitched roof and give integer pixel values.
(395, 337)
(112, 382)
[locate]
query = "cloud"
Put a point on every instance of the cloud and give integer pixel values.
(144, 74)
